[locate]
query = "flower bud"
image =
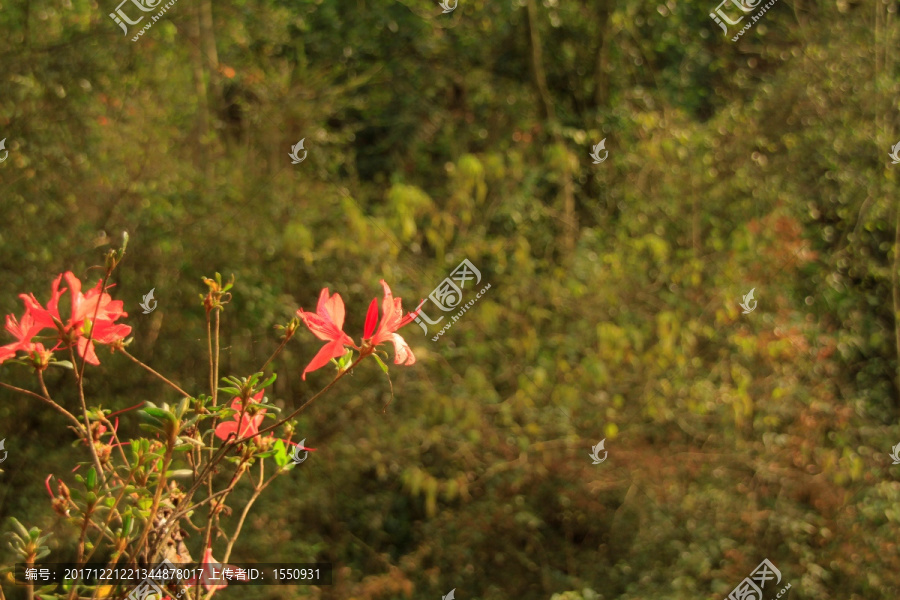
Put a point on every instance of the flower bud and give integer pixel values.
(63, 490)
(60, 507)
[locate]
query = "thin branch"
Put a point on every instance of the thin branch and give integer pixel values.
(88, 438)
(256, 493)
(277, 351)
(305, 404)
(160, 485)
(162, 377)
(56, 406)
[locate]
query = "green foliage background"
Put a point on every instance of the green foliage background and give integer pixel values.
(613, 308)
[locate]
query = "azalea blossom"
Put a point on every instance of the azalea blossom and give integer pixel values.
(92, 315)
(392, 319)
(45, 317)
(104, 332)
(327, 324)
(249, 424)
(23, 330)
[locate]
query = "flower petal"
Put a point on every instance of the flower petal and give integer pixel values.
(225, 429)
(388, 306)
(319, 327)
(335, 310)
(53, 304)
(331, 350)
(105, 332)
(250, 425)
(371, 319)
(79, 307)
(401, 349)
(7, 352)
(86, 351)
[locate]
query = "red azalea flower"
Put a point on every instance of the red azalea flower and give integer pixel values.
(327, 324)
(249, 425)
(83, 323)
(392, 319)
(23, 330)
(45, 317)
(84, 305)
(104, 332)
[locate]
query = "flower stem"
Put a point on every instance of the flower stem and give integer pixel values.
(305, 404)
(160, 486)
(162, 377)
(278, 350)
(88, 438)
(46, 399)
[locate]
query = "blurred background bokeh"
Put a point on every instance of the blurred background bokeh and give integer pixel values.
(613, 311)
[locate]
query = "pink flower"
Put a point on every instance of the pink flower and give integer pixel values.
(327, 324)
(104, 332)
(45, 317)
(249, 425)
(83, 322)
(23, 330)
(392, 319)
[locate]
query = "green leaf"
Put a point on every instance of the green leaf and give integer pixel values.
(62, 363)
(268, 381)
(190, 422)
(380, 363)
(158, 413)
(281, 455)
(344, 361)
(91, 478)
(180, 473)
(182, 407)
(127, 524)
(20, 529)
(227, 413)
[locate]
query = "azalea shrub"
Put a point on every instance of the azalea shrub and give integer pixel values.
(136, 501)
